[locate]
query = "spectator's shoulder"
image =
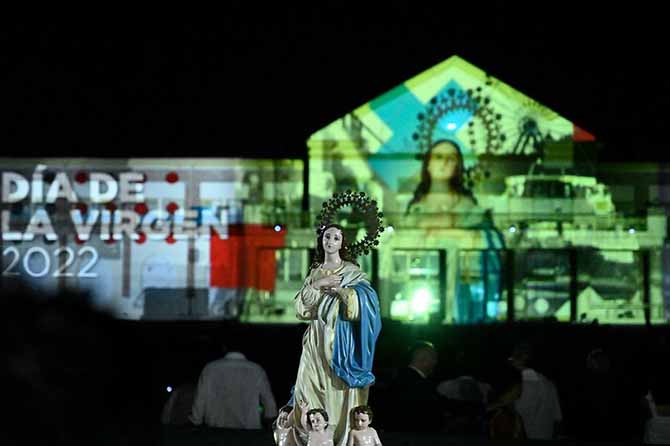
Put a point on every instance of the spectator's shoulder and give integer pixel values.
(255, 367)
(215, 365)
(208, 367)
(544, 378)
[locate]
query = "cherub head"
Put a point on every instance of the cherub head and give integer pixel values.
(362, 417)
(317, 419)
(283, 417)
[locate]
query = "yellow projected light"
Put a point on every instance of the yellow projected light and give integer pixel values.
(378, 147)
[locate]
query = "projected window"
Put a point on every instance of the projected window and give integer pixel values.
(415, 285)
(365, 263)
(292, 265)
(659, 284)
(548, 189)
(542, 284)
(610, 286)
(274, 302)
(478, 291)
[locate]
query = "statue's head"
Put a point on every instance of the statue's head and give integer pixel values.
(331, 239)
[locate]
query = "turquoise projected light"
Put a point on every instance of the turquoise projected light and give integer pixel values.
(399, 110)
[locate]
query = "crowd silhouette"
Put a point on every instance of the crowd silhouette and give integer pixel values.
(76, 375)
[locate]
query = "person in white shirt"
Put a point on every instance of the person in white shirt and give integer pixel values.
(538, 405)
(229, 393)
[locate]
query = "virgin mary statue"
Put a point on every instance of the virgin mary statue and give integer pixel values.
(342, 311)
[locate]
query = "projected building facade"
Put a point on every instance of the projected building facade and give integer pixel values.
(493, 209)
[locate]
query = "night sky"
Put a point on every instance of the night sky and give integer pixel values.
(263, 79)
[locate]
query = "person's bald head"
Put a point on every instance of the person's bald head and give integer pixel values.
(424, 357)
(522, 355)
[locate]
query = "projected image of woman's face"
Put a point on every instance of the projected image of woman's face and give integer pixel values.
(443, 162)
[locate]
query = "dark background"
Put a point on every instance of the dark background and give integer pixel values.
(259, 79)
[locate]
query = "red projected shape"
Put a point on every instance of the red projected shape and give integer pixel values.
(172, 207)
(81, 177)
(141, 208)
(172, 177)
(581, 135)
(246, 259)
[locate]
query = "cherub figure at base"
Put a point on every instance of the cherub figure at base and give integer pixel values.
(282, 427)
(362, 434)
(315, 422)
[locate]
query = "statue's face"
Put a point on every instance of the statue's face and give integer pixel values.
(332, 240)
(317, 422)
(361, 421)
(443, 162)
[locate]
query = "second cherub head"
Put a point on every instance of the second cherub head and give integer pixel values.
(317, 419)
(362, 417)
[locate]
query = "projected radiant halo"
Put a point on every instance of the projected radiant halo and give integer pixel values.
(484, 131)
